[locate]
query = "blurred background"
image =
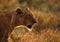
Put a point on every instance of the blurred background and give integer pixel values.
(43, 5)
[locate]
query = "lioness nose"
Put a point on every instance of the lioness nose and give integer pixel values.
(34, 21)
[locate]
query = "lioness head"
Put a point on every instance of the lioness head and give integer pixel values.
(24, 17)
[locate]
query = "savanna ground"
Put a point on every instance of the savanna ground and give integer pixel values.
(47, 15)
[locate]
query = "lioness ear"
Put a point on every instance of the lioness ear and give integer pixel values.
(19, 11)
(27, 9)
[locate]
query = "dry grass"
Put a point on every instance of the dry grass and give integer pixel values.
(44, 36)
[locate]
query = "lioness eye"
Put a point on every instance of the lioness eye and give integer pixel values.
(29, 15)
